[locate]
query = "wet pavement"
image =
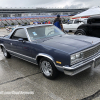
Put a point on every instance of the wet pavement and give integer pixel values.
(17, 75)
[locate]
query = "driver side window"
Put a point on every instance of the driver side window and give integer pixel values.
(76, 21)
(19, 33)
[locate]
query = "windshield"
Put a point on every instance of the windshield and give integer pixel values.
(39, 32)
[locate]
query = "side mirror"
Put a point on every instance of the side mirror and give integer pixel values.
(21, 40)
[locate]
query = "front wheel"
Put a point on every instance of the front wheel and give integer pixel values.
(79, 32)
(6, 54)
(48, 68)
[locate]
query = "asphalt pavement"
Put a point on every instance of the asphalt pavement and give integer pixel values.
(21, 80)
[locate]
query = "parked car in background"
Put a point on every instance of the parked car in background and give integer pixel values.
(72, 25)
(51, 49)
(92, 28)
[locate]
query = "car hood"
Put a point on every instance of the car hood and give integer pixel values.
(71, 43)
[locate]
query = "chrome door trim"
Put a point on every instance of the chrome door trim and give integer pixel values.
(25, 59)
(21, 54)
(27, 34)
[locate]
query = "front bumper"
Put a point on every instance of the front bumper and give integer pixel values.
(83, 65)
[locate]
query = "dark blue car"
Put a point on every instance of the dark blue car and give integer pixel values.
(51, 49)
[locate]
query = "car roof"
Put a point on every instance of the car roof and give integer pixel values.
(94, 17)
(29, 26)
(89, 20)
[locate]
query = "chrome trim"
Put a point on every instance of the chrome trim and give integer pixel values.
(82, 63)
(45, 55)
(21, 54)
(76, 60)
(27, 34)
(24, 59)
(76, 66)
(90, 48)
(18, 29)
(72, 73)
(40, 54)
(35, 26)
(2, 45)
(38, 25)
(50, 57)
(29, 26)
(83, 53)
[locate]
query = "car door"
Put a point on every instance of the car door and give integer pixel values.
(75, 24)
(95, 28)
(68, 26)
(20, 48)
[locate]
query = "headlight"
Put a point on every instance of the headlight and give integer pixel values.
(73, 57)
(76, 57)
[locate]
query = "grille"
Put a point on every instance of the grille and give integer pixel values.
(92, 51)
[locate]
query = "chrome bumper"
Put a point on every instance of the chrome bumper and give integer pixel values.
(83, 65)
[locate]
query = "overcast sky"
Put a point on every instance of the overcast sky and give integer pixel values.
(50, 3)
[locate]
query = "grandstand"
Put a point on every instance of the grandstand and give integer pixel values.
(15, 16)
(6, 21)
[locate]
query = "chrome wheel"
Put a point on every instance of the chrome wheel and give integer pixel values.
(4, 52)
(46, 68)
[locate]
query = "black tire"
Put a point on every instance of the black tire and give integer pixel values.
(52, 72)
(6, 54)
(80, 32)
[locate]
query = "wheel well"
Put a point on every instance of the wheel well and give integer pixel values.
(39, 58)
(1, 47)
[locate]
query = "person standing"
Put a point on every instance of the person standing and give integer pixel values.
(57, 22)
(46, 22)
(49, 22)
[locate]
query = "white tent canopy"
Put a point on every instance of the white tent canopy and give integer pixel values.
(90, 12)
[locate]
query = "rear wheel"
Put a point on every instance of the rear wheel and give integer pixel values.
(48, 68)
(6, 54)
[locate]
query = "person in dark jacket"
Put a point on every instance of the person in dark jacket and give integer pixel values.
(57, 22)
